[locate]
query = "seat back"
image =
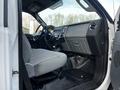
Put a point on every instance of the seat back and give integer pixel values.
(26, 49)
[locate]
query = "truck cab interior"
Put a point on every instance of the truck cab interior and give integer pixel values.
(66, 57)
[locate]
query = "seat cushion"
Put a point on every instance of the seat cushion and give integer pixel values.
(43, 61)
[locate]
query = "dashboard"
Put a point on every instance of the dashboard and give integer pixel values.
(85, 38)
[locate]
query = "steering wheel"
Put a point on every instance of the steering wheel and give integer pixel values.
(38, 37)
(47, 35)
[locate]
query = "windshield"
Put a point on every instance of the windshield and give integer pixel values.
(111, 6)
(69, 13)
(30, 24)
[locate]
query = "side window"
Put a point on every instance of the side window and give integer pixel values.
(69, 13)
(29, 24)
(111, 6)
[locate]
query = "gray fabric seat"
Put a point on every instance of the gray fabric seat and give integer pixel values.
(41, 61)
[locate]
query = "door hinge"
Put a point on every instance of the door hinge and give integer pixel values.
(15, 72)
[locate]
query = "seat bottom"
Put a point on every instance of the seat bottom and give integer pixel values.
(44, 61)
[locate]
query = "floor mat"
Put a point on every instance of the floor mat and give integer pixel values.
(59, 84)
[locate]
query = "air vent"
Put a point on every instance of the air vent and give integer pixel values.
(92, 26)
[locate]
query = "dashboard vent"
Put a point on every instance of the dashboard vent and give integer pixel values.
(92, 26)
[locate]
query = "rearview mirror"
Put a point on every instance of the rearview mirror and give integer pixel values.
(86, 5)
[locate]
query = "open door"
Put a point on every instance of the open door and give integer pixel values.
(115, 66)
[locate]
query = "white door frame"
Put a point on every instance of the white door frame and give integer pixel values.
(9, 45)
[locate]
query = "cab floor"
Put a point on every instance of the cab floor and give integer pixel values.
(59, 84)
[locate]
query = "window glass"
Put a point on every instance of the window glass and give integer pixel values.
(111, 6)
(69, 13)
(29, 23)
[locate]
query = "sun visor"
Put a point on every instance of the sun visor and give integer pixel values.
(35, 6)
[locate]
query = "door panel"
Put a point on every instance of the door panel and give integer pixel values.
(115, 66)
